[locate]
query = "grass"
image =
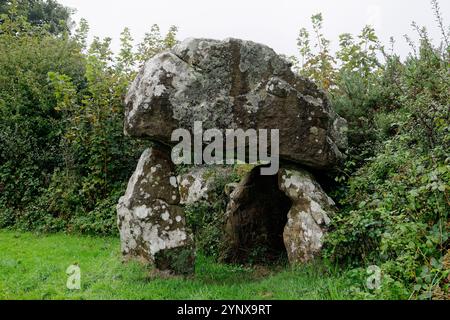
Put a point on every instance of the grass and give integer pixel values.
(32, 266)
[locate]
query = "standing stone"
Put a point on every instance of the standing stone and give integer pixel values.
(151, 221)
(308, 217)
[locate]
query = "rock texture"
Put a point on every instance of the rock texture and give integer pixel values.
(198, 183)
(270, 215)
(308, 216)
(151, 221)
(234, 84)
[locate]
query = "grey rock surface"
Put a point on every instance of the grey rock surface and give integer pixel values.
(308, 217)
(197, 184)
(233, 84)
(151, 222)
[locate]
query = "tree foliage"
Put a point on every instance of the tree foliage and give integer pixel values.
(41, 13)
(64, 158)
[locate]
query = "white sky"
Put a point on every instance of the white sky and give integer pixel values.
(272, 22)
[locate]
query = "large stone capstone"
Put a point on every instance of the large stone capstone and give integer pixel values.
(234, 84)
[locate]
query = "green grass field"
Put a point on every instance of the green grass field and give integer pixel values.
(33, 267)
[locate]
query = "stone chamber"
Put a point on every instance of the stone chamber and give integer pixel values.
(226, 84)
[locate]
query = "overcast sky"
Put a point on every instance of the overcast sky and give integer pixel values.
(272, 22)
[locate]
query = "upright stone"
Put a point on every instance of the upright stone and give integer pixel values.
(151, 222)
(308, 216)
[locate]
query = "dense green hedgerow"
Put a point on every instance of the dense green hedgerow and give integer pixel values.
(64, 160)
